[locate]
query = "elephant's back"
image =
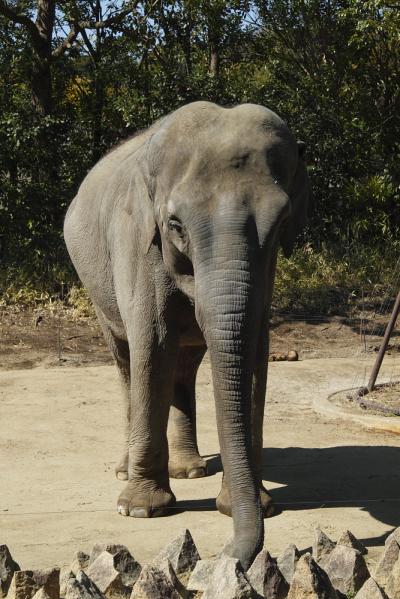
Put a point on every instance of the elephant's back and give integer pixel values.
(90, 211)
(100, 183)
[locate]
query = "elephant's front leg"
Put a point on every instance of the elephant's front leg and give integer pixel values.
(184, 458)
(147, 492)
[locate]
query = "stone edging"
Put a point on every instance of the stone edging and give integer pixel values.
(327, 407)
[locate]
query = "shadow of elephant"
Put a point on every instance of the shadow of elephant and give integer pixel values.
(366, 477)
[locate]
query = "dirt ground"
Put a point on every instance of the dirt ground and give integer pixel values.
(60, 438)
(30, 338)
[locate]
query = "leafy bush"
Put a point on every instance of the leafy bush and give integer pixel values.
(331, 69)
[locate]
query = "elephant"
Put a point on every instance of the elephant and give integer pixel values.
(175, 235)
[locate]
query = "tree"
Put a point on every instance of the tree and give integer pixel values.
(327, 64)
(99, 70)
(40, 30)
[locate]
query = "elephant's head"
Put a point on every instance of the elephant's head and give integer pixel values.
(226, 186)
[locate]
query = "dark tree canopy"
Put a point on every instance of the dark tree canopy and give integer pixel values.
(80, 75)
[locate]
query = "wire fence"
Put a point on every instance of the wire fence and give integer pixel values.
(371, 333)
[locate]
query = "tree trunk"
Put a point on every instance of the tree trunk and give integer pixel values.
(41, 85)
(214, 58)
(98, 115)
(214, 25)
(41, 68)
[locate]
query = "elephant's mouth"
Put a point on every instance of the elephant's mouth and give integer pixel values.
(185, 282)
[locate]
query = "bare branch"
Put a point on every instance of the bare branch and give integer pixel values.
(66, 43)
(22, 20)
(89, 45)
(79, 26)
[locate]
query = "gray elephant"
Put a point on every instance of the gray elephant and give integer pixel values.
(175, 234)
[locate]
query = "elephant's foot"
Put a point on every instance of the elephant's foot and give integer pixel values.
(145, 499)
(187, 466)
(121, 470)
(223, 502)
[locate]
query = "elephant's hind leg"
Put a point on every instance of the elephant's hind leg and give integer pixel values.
(120, 351)
(123, 365)
(184, 458)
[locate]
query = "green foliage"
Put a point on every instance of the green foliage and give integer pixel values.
(331, 69)
(330, 281)
(45, 158)
(333, 73)
(79, 301)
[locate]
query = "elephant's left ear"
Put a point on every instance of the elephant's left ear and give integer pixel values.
(139, 203)
(300, 200)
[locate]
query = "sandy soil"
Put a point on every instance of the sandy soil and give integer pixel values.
(60, 437)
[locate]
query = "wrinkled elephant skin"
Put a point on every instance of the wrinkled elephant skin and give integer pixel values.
(174, 234)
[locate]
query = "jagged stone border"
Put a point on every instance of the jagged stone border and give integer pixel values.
(333, 570)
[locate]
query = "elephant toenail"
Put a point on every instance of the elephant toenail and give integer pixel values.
(157, 512)
(139, 512)
(122, 510)
(270, 511)
(122, 475)
(197, 473)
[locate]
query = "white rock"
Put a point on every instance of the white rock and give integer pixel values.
(388, 559)
(287, 562)
(7, 568)
(26, 583)
(181, 552)
(114, 574)
(201, 574)
(81, 587)
(228, 581)
(153, 584)
(310, 581)
(349, 540)
(266, 578)
(370, 590)
(346, 569)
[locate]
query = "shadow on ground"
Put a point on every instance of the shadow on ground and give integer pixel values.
(365, 477)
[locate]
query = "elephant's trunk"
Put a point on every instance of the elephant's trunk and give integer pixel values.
(229, 315)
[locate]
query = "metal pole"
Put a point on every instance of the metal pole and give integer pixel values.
(384, 344)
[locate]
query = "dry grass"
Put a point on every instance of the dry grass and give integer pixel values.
(311, 281)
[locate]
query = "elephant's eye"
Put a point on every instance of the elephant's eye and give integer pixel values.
(175, 225)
